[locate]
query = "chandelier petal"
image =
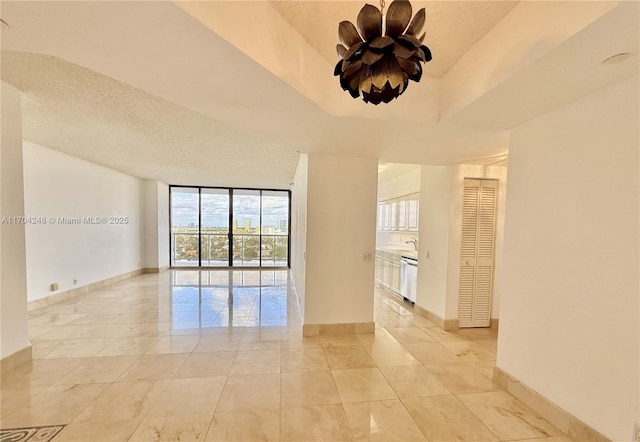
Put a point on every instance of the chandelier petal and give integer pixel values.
(341, 50)
(412, 68)
(377, 96)
(344, 83)
(397, 79)
(370, 22)
(381, 43)
(409, 41)
(354, 52)
(370, 57)
(398, 16)
(348, 34)
(401, 51)
(427, 53)
(354, 84)
(350, 68)
(379, 81)
(365, 86)
(417, 23)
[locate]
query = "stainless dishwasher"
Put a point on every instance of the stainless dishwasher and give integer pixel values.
(408, 278)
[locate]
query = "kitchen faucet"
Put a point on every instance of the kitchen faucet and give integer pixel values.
(414, 242)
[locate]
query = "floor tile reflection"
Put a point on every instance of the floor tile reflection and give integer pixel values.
(219, 355)
(206, 299)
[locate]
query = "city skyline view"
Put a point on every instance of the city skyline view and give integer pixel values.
(200, 221)
(215, 209)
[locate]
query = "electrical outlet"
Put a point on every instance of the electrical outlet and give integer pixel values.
(75, 281)
(636, 433)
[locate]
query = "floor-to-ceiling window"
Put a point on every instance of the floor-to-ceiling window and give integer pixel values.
(246, 228)
(220, 227)
(214, 235)
(185, 226)
(274, 247)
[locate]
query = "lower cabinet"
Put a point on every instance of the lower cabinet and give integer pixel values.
(378, 267)
(388, 270)
(394, 284)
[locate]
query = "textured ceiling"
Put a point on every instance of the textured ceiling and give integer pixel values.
(452, 27)
(213, 103)
(93, 117)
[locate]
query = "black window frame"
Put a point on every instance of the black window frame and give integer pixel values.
(230, 234)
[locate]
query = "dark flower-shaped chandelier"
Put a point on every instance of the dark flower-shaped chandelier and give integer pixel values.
(380, 66)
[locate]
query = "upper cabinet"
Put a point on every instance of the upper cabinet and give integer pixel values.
(412, 212)
(399, 214)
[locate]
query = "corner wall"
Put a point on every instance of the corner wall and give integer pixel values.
(341, 235)
(155, 225)
(569, 310)
(299, 228)
(71, 193)
(14, 335)
(433, 239)
(164, 245)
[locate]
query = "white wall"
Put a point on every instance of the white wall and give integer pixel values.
(59, 185)
(341, 229)
(299, 228)
(569, 313)
(150, 231)
(401, 185)
(435, 195)
(164, 245)
(156, 224)
(13, 281)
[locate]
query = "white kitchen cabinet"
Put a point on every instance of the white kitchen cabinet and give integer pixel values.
(386, 218)
(402, 215)
(388, 270)
(394, 284)
(386, 273)
(393, 215)
(399, 214)
(412, 212)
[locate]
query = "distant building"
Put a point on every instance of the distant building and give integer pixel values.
(245, 229)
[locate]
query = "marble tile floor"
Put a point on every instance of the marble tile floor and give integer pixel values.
(219, 355)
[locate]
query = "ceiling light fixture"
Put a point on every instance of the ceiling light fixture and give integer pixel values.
(378, 63)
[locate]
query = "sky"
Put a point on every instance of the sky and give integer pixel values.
(215, 209)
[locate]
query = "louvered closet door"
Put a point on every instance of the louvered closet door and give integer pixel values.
(476, 253)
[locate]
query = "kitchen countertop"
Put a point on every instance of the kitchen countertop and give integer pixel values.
(413, 254)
